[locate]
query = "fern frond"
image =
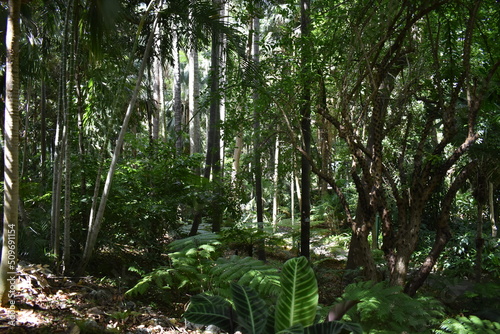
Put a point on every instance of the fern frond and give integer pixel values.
(387, 308)
(466, 325)
(247, 272)
(193, 242)
(140, 288)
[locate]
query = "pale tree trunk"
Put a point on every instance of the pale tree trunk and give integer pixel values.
(292, 198)
(275, 183)
(96, 221)
(61, 130)
(158, 96)
(194, 96)
(194, 124)
(11, 156)
(491, 204)
(67, 142)
(67, 193)
(238, 150)
(176, 89)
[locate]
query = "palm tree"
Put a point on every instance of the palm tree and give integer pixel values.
(11, 154)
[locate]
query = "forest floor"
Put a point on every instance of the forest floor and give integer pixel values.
(47, 303)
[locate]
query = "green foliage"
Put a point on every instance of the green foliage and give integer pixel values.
(245, 271)
(298, 299)
(196, 266)
(467, 325)
(295, 311)
(386, 309)
(190, 260)
(147, 192)
(251, 309)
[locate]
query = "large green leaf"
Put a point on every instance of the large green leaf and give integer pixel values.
(251, 309)
(334, 327)
(210, 310)
(296, 329)
(298, 300)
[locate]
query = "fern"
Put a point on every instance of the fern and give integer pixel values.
(247, 272)
(386, 309)
(190, 259)
(467, 325)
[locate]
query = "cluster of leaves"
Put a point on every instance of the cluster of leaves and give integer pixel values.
(295, 310)
(196, 265)
(466, 325)
(148, 192)
(386, 309)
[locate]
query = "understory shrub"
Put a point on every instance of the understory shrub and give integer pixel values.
(294, 311)
(196, 266)
(386, 309)
(468, 325)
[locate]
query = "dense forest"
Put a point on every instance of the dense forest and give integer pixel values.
(252, 166)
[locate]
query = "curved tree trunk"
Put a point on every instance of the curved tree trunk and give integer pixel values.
(96, 221)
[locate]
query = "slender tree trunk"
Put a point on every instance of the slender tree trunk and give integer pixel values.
(479, 242)
(238, 150)
(491, 204)
(305, 125)
(324, 138)
(58, 174)
(96, 221)
(67, 196)
(213, 160)
(256, 147)
(275, 183)
(194, 125)
(194, 95)
(43, 127)
(157, 88)
(8, 263)
(177, 105)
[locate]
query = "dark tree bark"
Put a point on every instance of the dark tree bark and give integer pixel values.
(305, 126)
(213, 159)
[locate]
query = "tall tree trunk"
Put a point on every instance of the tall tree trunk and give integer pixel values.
(275, 183)
(238, 150)
(158, 96)
(256, 144)
(96, 221)
(213, 160)
(177, 105)
(194, 96)
(67, 195)
(43, 131)
(67, 137)
(324, 137)
(491, 204)
(194, 125)
(61, 130)
(305, 126)
(11, 157)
